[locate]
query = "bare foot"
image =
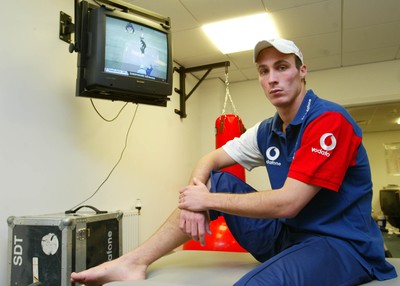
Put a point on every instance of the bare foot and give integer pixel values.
(119, 269)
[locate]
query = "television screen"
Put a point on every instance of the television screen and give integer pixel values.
(124, 57)
(133, 49)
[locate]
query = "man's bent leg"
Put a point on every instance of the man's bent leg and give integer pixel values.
(315, 261)
(133, 265)
(261, 237)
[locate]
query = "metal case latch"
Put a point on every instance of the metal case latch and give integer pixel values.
(83, 233)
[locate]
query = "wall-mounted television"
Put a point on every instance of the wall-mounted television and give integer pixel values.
(123, 56)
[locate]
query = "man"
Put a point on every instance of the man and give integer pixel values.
(315, 227)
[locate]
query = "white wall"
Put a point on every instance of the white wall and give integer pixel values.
(55, 150)
(363, 84)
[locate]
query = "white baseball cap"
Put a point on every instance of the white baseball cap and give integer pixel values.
(282, 45)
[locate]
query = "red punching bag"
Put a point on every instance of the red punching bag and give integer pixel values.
(227, 126)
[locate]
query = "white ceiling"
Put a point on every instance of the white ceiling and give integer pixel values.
(330, 33)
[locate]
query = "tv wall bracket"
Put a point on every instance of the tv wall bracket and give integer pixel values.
(66, 27)
(182, 85)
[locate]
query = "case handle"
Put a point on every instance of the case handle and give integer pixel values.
(85, 206)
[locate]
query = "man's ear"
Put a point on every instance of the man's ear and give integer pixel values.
(303, 71)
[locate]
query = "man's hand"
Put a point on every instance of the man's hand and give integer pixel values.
(194, 219)
(194, 197)
(195, 224)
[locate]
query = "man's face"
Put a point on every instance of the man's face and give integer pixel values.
(279, 78)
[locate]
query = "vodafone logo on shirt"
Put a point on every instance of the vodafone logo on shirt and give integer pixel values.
(327, 143)
(272, 154)
(331, 141)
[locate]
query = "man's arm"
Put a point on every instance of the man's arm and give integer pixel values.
(214, 160)
(196, 224)
(285, 202)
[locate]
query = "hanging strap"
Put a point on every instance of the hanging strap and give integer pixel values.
(228, 94)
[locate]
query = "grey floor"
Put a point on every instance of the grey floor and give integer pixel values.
(392, 242)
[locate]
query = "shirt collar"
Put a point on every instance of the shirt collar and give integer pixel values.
(305, 107)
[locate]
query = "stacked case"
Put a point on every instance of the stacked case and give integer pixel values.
(47, 248)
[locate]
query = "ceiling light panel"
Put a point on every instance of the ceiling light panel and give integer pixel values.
(241, 34)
